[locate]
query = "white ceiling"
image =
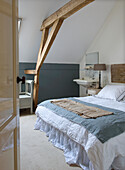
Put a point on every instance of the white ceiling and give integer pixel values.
(74, 37)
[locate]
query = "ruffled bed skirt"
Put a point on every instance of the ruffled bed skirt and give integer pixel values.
(74, 153)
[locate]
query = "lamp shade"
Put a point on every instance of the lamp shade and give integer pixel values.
(100, 67)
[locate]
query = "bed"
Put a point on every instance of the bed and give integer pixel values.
(90, 149)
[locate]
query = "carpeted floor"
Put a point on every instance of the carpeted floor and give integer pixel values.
(36, 152)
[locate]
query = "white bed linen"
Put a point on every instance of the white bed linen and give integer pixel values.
(100, 155)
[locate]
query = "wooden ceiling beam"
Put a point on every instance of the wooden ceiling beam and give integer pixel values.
(64, 12)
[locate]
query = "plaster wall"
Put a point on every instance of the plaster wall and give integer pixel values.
(109, 42)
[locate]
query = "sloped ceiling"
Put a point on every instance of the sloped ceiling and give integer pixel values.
(74, 37)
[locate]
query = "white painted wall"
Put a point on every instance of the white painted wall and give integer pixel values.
(75, 36)
(110, 41)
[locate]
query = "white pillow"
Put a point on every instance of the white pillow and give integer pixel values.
(121, 97)
(112, 92)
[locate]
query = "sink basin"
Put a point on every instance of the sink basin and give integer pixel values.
(85, 83)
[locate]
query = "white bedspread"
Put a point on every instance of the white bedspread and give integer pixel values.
(100, 155)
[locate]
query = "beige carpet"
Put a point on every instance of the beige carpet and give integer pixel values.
(36, 152)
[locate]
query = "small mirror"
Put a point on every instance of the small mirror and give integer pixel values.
(91, 59)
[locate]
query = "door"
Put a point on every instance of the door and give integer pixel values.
(9, 102)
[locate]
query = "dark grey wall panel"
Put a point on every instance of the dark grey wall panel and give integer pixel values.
(56, 80)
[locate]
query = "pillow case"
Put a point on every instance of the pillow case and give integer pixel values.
(112, 92)
(121, 97)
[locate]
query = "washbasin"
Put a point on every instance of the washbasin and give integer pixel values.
(85, 83)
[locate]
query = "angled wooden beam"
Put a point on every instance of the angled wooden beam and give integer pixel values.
(43, 41)
(64, 12)
(51, 37)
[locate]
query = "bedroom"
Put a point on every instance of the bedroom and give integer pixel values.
(101, 30)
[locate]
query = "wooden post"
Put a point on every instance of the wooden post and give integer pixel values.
(42, 55)
(36, 90)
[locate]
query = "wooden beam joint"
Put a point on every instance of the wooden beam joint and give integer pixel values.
(64, 12)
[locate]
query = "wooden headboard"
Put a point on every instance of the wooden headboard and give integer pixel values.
(118, 73)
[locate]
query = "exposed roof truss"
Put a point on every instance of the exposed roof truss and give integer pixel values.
(54, 22)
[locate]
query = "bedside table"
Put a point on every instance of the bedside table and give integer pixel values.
(93, 91)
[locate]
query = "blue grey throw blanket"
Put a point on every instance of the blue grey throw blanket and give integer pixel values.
(103, 128)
